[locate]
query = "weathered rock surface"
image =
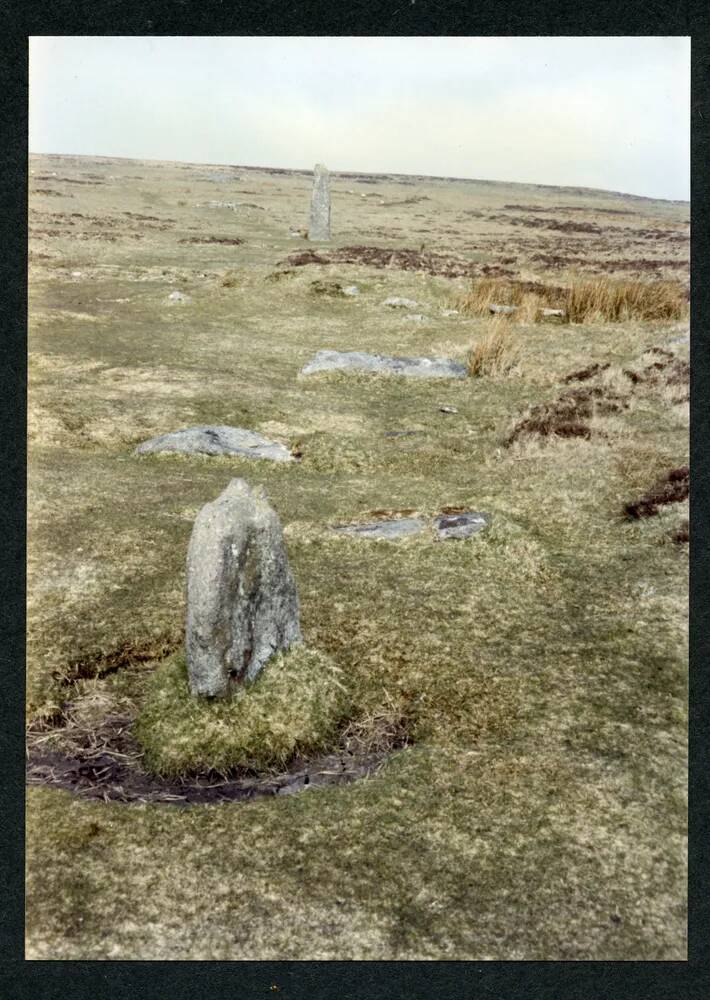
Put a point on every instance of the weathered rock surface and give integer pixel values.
(385, 529)
(217, 441)
(460, 525)
(319, 228)
(503, 310)
(242, 604)
(446, 526)
(358, 361)
(396, 302)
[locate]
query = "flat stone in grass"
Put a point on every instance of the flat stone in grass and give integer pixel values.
(446, 526)
(396, 302)
(357, 361)
(399, 528)
(242, 605)
(217, 441)
(460, 525)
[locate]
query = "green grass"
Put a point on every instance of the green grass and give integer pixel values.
(541, 665)
(293, 706)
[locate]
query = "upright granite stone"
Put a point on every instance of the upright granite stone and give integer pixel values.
(242, 604)
(319, 228)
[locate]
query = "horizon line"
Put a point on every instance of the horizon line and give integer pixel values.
(380, 173)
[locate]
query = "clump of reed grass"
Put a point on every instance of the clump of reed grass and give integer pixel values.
(614, 301)
(584, 301)
(496, 353)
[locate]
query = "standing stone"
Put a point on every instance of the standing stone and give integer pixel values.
(242, 605)
(320, 204)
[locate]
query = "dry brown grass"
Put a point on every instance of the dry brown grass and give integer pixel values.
(598, 299)
(496, 353)
(616, 301)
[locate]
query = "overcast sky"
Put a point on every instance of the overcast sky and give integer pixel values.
(597, 112)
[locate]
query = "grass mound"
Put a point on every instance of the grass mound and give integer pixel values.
(293, 706)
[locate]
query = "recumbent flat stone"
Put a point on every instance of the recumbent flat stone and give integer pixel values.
(217, 441)
(327, 360)
(460, 525)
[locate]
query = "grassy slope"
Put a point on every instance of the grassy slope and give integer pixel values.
(540, 813)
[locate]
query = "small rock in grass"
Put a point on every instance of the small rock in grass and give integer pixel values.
(503, 310)
(178, 297)
(460, 526)
(448, 409)
(449, 312)
(398, 528)
(395, 302)
(242, 604)
(217, 441)
(351, 290)
(415, 318)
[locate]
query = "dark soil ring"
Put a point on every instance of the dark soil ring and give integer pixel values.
(111, 779)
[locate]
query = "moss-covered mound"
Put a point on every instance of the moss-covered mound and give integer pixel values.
(293, 706)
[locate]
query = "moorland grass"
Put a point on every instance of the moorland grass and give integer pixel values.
(539, 812)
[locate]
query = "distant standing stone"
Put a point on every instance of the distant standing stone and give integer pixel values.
(319, 228)
(242, 604)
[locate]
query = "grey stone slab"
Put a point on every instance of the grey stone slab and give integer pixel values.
(319, 228)
(357, 361)
(460, 526)
(217, 441)
(242, 604)
(396, 302)
(398, 528)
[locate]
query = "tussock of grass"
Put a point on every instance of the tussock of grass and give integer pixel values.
(595, 300)
(293, 706)
(616, 301)
(496, 353)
